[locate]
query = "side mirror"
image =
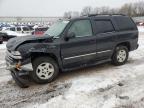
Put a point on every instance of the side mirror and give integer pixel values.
(70, 36)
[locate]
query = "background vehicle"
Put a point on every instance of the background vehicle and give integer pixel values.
(1, 38)
(72, 44)
(39, 31)
(4, 36)
(20, 29)
(7, 34)
(24, 30)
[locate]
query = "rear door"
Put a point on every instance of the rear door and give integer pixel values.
(105, 38)
(81, 49)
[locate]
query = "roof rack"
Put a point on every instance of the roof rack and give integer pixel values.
(91, 15)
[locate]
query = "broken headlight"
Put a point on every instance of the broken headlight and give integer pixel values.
(15, 53)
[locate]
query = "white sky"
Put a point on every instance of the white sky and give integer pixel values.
(52, 7)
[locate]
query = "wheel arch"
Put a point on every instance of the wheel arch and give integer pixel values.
(127, 44)
(34, 55)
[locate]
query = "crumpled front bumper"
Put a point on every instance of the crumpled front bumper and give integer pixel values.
(19, 70)
(26, 67)
(20, 78)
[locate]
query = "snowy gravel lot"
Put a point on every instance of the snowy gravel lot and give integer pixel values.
(102, 86)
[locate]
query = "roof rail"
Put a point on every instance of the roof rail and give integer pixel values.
(91, 15)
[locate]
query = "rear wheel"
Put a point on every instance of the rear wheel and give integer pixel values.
(120, 55)
(45, 70)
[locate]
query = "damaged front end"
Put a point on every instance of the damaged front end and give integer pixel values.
(18, 56)
(19, 67)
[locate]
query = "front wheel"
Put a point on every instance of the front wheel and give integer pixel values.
(120, 55)
(45, 70)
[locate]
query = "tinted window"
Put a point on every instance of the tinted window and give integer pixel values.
(25, 29)
(125, 23)
(45, 29)
(18, 29)
(103, 26)
(31, 28)
(81, 28)
(12, 29)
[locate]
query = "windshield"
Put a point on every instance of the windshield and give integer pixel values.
(57, 28)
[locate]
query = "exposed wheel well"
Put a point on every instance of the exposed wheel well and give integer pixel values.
(127, 44)
(39, 54)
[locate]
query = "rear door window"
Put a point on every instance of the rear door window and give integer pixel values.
(103, 26)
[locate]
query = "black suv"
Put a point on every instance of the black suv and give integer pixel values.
(71, 44)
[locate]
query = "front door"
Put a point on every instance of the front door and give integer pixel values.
(81, 49)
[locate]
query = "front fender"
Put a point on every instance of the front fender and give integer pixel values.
(38, 49)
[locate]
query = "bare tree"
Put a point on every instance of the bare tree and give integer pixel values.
(67, 14)
(86, 10)
(71, 14)
(135, 9)
(126, 9)
(75, 14)
(140, 8)
(131, 9)
(96, 10)
(105, 10)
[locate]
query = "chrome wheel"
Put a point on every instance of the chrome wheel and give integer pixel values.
(121, 56)
(45, 71)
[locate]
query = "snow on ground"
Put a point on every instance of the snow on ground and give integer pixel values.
(106, 87)
(102, 86)
(141, 28)
(3, 46)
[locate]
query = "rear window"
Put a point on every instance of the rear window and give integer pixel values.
(103, 26)
(125, 23)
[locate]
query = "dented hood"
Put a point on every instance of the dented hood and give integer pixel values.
(15, 42)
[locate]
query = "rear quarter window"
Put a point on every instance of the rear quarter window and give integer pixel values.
(103, 26)
(125, 23)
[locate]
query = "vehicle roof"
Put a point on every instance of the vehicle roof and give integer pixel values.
(99, 16)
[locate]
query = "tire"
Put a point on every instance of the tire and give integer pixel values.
(45, 70)
(120, 55)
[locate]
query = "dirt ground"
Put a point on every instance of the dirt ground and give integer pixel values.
(102, 86)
